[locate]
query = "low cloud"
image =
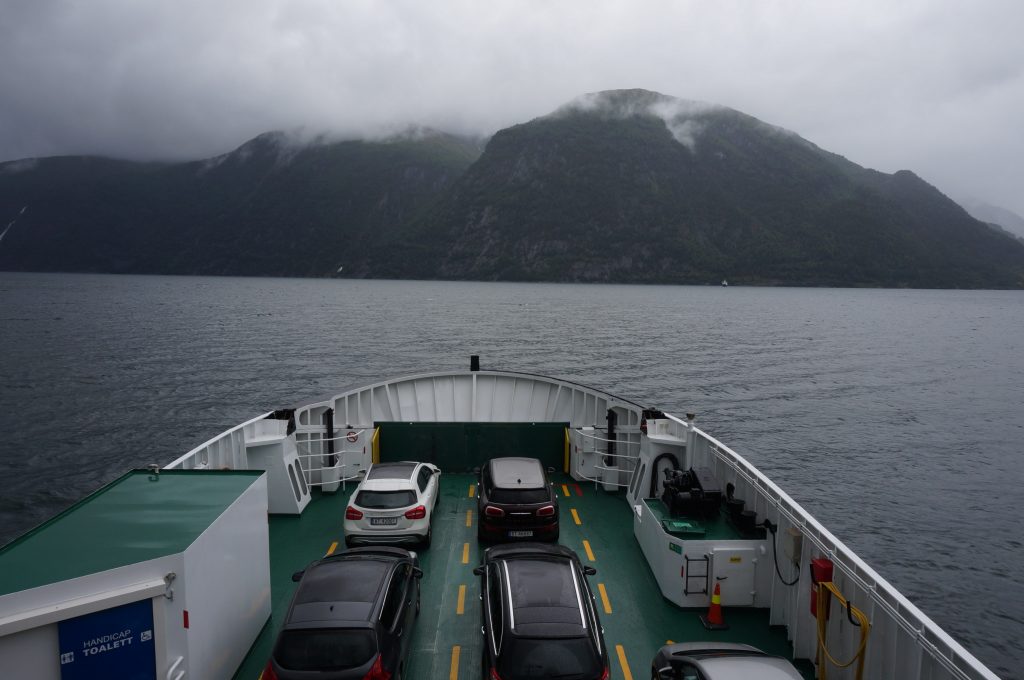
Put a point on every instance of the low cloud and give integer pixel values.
(681, 116)
(880, 83)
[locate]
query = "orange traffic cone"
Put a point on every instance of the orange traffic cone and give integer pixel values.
(713, 620)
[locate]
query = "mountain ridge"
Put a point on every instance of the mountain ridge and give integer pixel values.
(625, 186)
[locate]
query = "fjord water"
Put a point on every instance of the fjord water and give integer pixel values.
(894, 416)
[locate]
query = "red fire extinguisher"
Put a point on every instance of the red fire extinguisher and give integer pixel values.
(821, 571)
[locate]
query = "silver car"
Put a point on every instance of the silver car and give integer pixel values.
(719, 661)
(393, 505)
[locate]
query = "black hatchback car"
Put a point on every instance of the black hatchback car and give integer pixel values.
(516, 501)
(539, 615)
(350, 618)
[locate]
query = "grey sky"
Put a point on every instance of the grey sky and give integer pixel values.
(933, 86)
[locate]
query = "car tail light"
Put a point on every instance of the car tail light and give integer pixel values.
(604, 674)
(494, 675)
(352, 513)
(546, 511)
(268, 672)
(377, 672)
(419, 512)
(492, 511)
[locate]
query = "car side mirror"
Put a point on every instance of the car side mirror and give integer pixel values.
(589, 570)
(666, 673)
(479, 571)
(551, 470)
(476, 471)
(297, 576)
(417, 572)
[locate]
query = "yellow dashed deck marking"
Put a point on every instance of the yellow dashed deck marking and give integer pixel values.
(472, 490)
(586, 546)
(622, 662)
(604, 598)
(465, 553)
(334, 546)
(454, 673)
(669, 642)
(469, 518)
(575, 517)
(461, 607)
(565, 489)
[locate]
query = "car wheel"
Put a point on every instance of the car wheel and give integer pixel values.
(417, 602)
(348, 541)
(426, 539)
(554, 537)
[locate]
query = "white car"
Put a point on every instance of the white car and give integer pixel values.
(719, 661)
(393, 505)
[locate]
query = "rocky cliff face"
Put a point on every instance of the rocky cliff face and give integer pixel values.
(633, 186)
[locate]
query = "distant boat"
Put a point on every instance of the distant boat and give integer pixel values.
(725, 283)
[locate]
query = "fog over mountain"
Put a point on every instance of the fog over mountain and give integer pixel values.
(992, 214)
(934, 86)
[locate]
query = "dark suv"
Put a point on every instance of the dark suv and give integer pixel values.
(350, 618)
(539, 616)
(516, 501)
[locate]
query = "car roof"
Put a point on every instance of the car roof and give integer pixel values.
(344, 589)
(545, 596)
(403, 470)
(351, 579)
(388, 484)
(741, 667)
(728, 660)
(517, 473)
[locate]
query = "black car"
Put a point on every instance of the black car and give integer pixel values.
(539, 616)
(350, 618)
(516, 501)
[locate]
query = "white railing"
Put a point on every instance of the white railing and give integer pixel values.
(580, 455)
(306, 456)
(898, 626)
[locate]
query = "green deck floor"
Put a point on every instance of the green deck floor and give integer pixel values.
(639, 623)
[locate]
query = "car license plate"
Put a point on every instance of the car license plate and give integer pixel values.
(383, 521)
(520, 534)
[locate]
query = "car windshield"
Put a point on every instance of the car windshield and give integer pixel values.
(520, 496)
(566, 658)
(385, 500)
(325, 650)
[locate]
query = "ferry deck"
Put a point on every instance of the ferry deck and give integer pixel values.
(195, 557)
(446, 643)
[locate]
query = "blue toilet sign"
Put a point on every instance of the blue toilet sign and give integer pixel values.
(113, 643)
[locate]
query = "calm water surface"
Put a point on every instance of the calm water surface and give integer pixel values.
(895, 417)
